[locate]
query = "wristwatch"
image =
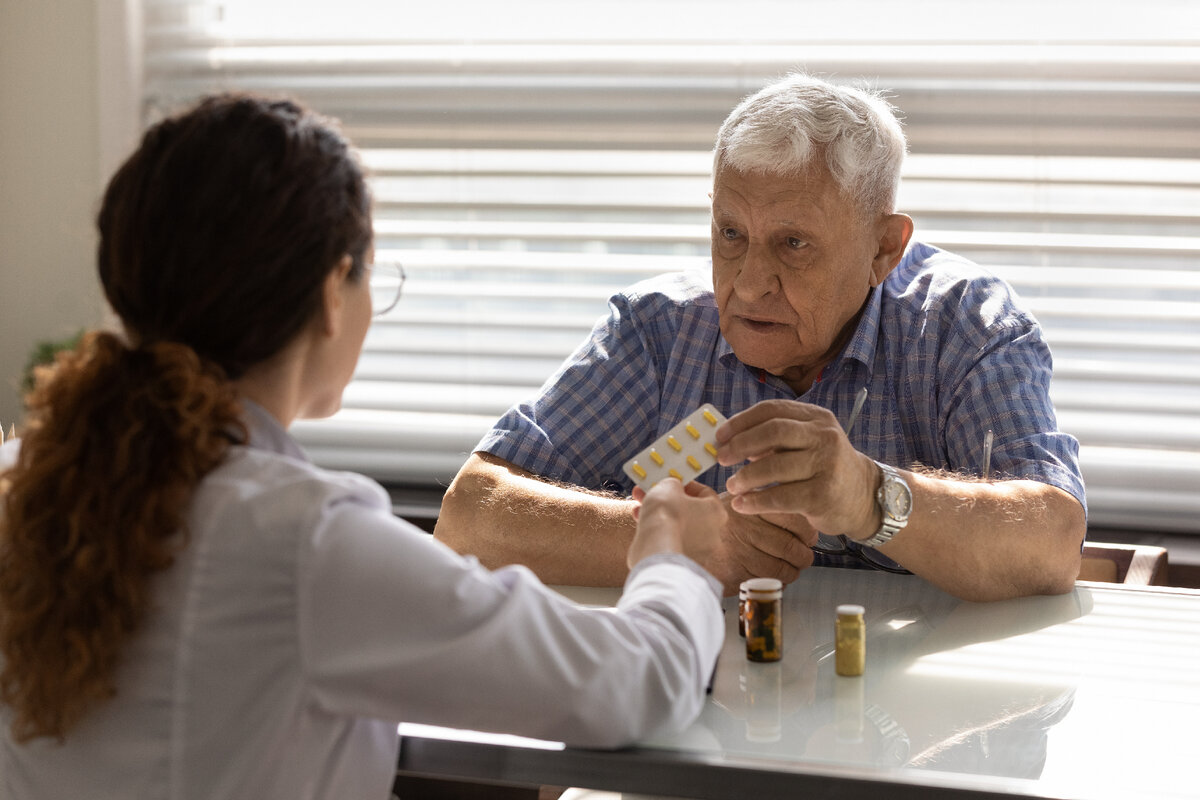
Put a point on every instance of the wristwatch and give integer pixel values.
(895, 504)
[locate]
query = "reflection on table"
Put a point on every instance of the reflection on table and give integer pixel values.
(1088, 694)
(909, 708)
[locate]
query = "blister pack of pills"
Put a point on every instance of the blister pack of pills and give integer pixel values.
(684, 452)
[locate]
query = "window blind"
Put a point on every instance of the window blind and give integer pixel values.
(528, 159)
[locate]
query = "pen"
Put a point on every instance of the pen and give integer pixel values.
(987, 454)
(858, 404)
(844, 546)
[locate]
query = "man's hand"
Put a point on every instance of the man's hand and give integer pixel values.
(801, 463)
(773, 545)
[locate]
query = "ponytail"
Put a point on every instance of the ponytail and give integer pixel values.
(116, 441)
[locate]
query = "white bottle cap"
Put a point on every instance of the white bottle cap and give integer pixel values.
(773, 587)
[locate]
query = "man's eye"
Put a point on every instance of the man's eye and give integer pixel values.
(795, 243)
(729, 233)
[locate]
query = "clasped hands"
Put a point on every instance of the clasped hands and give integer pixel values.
(802, 476)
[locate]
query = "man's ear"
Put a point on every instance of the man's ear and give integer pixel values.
(333, 301)
(894, 231)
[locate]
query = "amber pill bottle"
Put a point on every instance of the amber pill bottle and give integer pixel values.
(764, 619)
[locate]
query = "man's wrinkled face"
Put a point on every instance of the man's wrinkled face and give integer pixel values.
(792, 264)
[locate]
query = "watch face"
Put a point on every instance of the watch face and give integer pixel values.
(897, 499)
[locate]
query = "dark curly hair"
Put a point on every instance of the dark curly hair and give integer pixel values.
(215, 238)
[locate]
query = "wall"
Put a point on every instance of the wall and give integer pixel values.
(50, 179)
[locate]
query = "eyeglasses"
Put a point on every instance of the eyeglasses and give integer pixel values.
(841, 546)
(387, 279)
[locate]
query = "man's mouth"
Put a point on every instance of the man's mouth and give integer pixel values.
(762, 325)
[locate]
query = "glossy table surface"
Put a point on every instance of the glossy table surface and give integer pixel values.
(1092, 694)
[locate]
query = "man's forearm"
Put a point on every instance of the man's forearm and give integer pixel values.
(502, 516)
(990, 541)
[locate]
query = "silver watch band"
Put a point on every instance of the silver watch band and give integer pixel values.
(891, 525)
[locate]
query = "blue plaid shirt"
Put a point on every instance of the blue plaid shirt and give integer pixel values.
(943, 346)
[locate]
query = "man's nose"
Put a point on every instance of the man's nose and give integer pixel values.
(757, 276)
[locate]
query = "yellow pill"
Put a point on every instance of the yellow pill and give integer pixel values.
(693, 463)
(638, 470)
(675, 475)
(695, 434)
(656, 458)
(675, 445)
(708, 416)
(708, 448)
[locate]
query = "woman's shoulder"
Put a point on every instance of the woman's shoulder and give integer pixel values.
(272, 490)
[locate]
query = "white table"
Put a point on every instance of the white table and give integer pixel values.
(1093, 694)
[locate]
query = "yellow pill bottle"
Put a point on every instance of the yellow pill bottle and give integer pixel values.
(850, 640)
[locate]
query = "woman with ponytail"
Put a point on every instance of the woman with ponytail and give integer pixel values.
(189, 608)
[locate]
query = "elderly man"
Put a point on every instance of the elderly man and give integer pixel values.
(816, 294)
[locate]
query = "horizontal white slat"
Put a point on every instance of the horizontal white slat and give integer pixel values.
(647, 164)
(545, 291)
(1132, 398)
(466, 369)
(699, 234)
(445, 398)
(640, 164)
(1174, 281)
(984, 200)
(1052, 170)
(541, 192)
(535, 230)
(470, 340)
(1075, 242)
(483, 21)
(1142, 468)
(1142, 488)
(1133, 64)
(1119, 429)
(1106, 309)
(1115, 506)
(1161, 373)
(540, 261)
(540, 320)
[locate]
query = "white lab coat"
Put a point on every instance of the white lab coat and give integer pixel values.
(303, 621)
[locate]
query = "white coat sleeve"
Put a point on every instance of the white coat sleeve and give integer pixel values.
(395, 625)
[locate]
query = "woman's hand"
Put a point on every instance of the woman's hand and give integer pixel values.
(673, 518)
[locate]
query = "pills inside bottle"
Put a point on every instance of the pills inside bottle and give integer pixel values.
(764, 619)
